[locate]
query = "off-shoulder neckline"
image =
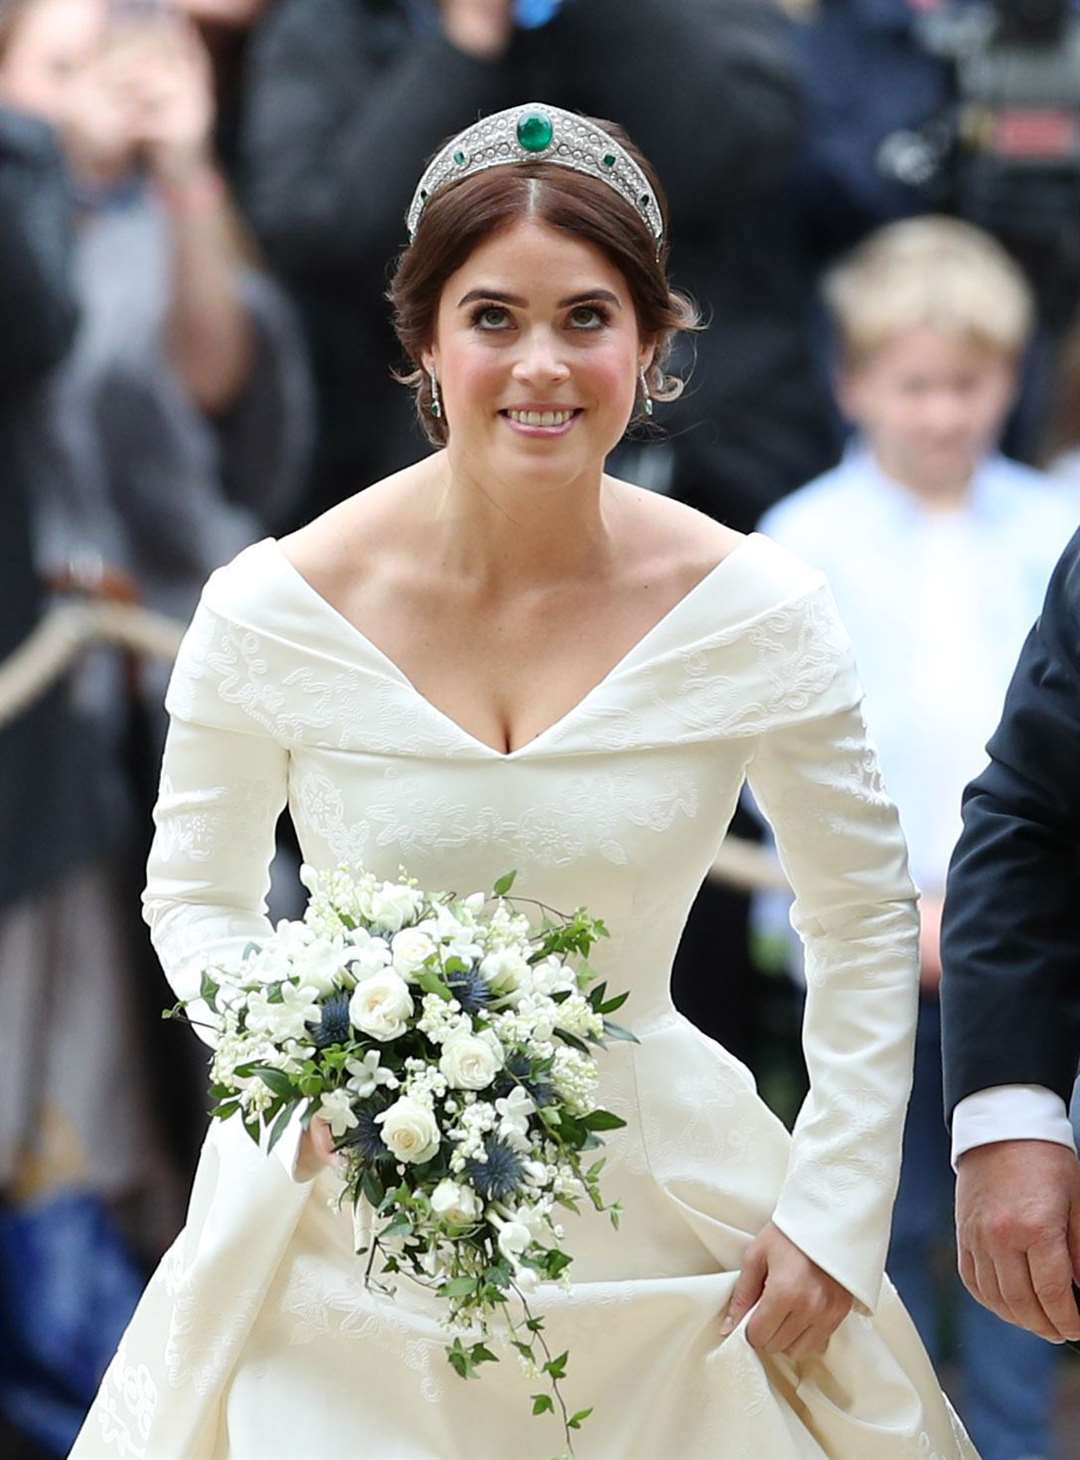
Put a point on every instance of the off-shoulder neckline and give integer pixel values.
(349, 631)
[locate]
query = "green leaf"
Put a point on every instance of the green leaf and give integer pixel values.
(541, 1403)
(275, 1080)
(225, 1109)
(208, 990)
(252, 1128)
(431, 983)
(459, 1287)
(534, 1325)
(277, 1130)
(481, 1355)
(556, 1262)
(504, 884)
(372, 1187)
(616, 1031)
(575, 1421)
(557, 1367)
(613, 1004)
(602, 1120)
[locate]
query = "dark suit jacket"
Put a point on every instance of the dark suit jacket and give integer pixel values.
(1011, 930)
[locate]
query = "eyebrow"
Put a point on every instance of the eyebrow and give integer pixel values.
(496, 296)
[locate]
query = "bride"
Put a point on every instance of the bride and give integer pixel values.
(502, 657)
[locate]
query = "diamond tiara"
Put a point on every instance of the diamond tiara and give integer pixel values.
(539, 133)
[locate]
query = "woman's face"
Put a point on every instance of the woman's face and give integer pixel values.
(537, 353)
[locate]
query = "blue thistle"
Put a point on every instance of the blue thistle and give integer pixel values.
(333, 1026)
(500, 1175)
(366, 1136)
(541, 1090)
(470, 988)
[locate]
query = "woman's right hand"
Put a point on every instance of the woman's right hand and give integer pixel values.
(316, 1150)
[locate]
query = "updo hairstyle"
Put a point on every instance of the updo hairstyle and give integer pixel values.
(462, 215)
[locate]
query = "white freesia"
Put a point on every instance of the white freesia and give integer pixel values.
(411, 948)
(552, 976)
(470, 1062)
(336, 1109)
(515, 1110)
(321, 964)
(455, 1202)
(367, 1075)
(287, 1019)
(366, 955)
(514, 1239)
(393, 905)
(382, 1005)
(409, 1130)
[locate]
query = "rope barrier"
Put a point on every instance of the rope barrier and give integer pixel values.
(64, 632)
(70, 627)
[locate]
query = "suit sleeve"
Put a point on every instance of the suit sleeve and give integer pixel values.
(1011, 926)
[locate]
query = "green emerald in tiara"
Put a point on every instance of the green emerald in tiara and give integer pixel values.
(460, 158)
(535, 131)
(609, 159)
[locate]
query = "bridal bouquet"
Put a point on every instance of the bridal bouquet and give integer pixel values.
(448, 1043)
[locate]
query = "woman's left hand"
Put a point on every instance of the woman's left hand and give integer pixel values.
(799, 1306)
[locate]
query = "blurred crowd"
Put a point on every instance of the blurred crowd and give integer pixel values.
(876, 203)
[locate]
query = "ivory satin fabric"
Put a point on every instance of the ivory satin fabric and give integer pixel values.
(256, 1339)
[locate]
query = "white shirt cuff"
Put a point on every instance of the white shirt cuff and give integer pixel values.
(1010, 1113)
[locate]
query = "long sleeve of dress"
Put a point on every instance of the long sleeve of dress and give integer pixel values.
(223, 786)
(816, 778)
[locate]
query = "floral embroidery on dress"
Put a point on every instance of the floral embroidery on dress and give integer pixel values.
(195, 822)
(126, 1406)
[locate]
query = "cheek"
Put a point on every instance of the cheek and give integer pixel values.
(607, 374)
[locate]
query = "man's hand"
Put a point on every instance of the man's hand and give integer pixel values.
(799, 1306)
(482, 28)
(162, 69)
(1018, 1233)
(930, 910)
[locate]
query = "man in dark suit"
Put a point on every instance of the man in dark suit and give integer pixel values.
(1011, 987)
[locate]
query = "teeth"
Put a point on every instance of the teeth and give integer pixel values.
(540, 418)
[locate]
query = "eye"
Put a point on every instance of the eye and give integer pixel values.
(589, 316)
(489, 317)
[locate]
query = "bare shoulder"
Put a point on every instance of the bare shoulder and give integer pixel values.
(672, 538)
(355, 537)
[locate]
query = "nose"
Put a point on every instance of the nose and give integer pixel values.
(540, 360)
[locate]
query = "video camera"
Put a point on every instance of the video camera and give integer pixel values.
(1005, 153)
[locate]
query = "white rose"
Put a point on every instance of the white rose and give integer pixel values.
(393, 905)
(505, 970)
(469, 1062)
(411, 948)
(455, 1203)
(514, 1239)
(409, 1130)
(320, 963)
(382, 1005)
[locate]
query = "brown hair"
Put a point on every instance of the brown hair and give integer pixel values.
(462, 215)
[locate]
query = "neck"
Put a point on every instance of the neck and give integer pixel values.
(506, 535)
(944, 491)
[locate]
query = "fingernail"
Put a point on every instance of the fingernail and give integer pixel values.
(726, 1327)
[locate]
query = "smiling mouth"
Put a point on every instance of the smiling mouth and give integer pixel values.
(553, 421)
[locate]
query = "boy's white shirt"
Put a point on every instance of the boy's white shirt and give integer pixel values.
(1018, 521)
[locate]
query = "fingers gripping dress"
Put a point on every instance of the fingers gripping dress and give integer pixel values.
(256, 1339)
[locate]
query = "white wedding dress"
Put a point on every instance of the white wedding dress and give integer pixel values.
(256, 1338)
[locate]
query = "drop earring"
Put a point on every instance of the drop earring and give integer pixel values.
(646, 398)
(436, 398)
